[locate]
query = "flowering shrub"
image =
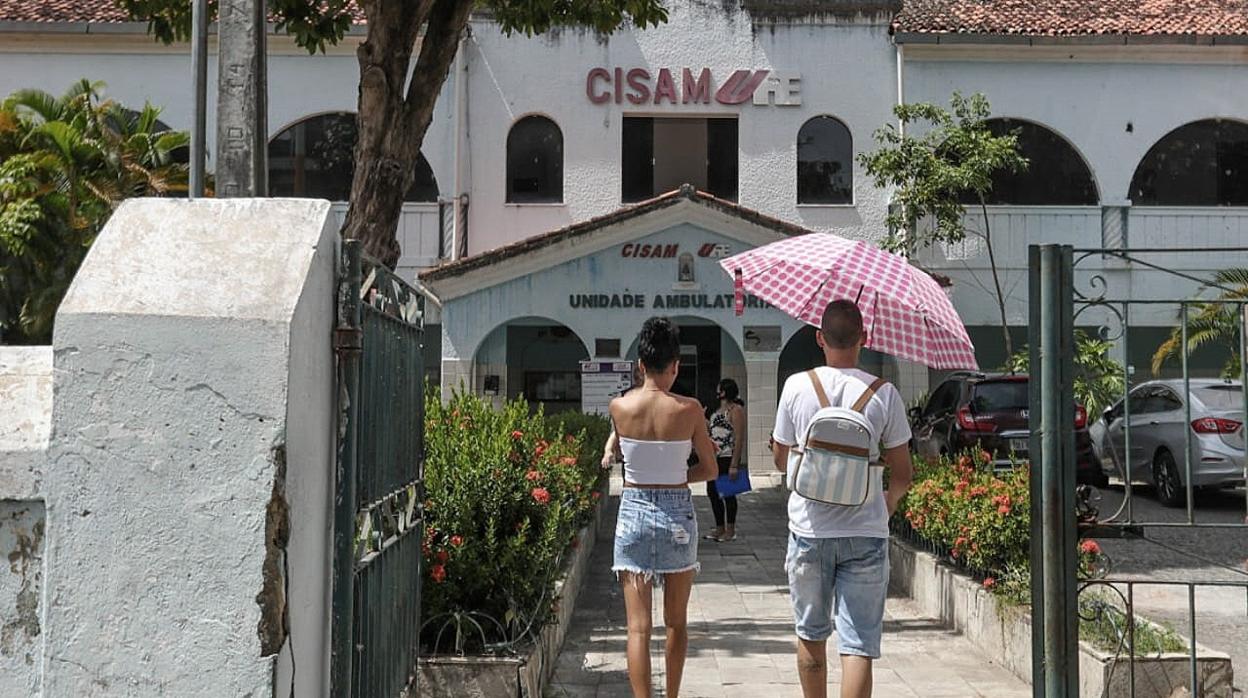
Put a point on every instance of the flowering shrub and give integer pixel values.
(979, 518)
(506, 495)
(981, 521)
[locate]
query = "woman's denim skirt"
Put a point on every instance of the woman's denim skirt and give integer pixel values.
(656, 533)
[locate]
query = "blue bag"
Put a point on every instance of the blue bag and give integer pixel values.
(727, 487)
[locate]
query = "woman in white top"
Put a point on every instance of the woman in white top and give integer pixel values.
(656, 534)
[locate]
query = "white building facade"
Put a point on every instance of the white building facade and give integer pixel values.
(546, 156)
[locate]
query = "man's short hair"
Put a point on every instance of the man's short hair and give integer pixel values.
(842, 324)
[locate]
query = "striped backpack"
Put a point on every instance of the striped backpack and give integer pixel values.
(832, 464)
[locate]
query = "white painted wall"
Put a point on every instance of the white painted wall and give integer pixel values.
(1090, 94)
(191, 349)
(1112, 104)
(851, 77)
(25, 420)
(25, 430)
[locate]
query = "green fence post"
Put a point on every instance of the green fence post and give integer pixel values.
(1055, 640)
(348, 344)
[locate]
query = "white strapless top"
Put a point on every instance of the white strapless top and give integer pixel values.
(656, 462)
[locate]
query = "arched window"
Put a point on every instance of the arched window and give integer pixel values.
(315, 158)
(534, 161)
(825, 162)
(1056, 174)
(1204, 163)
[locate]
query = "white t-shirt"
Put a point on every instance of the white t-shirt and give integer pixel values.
(885, 411)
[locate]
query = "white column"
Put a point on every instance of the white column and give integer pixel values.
(761, 397)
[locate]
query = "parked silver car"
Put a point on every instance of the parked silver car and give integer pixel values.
(1158, 423)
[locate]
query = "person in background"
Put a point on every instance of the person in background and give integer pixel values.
(727, 425)
(656, 534)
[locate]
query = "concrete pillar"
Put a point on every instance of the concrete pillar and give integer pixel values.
(189, 491)
(760, 371)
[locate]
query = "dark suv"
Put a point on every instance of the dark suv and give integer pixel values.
(989, 412)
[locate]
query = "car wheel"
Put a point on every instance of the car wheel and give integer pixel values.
(1170, 490)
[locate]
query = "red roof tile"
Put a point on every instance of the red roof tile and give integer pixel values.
(1002, 17)
(92, 11)
(60, 11)
(1075, 17)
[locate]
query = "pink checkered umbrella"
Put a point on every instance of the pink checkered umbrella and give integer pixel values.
(906, 312)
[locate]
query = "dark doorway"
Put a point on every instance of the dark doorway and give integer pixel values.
(701, 357)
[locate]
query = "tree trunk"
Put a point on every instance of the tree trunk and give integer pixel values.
(996, 282)
(393, 114)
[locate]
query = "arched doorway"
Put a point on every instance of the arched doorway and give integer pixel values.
(708, 354)
(536, 358)
(802, 353)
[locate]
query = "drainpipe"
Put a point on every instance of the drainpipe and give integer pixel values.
(901, 82)
(901, 99)
(460, 149)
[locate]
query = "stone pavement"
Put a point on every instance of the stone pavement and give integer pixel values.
(741, 640)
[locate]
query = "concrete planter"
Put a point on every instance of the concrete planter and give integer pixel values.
(517, 677)
(1003, 634)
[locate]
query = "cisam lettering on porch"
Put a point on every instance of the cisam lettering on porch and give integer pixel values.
(639, 86)
(683, 301)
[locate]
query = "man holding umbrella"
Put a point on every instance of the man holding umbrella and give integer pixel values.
(838, 554)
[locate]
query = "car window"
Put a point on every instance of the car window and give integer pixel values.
(1114, 412)
(1163, 400)
(945, 399)
(1000, 396)
(1138, 400)
(1221, 397)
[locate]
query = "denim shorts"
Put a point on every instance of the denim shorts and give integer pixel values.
(842, 577)
(656, 533)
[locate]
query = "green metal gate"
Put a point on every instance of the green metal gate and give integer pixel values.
(1062, 295)
(378, 520)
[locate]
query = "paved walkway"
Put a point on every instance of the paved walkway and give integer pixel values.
(741, 629)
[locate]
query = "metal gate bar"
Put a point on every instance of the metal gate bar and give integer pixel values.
(1053, 295)
(379, 493)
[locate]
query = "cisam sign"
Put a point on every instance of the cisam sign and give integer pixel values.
(639, 86)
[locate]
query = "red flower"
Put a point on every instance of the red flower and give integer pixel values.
(978, 491)
(457, 540)
(568, 460)
(985, 457)
(1090, 547)
(517, 434)
(964, 462)
(533, 475)
(569, 439)
(596, 495)
(438, 573)
(1003, 509)
(540, 495)
(443, 556)
(541, 448)
(990, 583)
(961, 541)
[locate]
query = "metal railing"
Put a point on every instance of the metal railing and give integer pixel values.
(379, 493)
(1058, 301)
